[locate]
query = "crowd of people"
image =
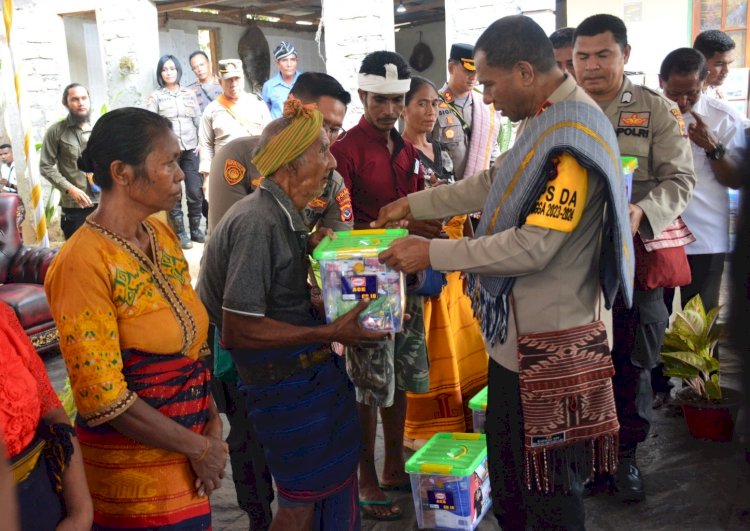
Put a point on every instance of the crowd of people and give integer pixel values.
(536, 243)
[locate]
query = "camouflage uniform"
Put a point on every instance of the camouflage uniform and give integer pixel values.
(402, 363)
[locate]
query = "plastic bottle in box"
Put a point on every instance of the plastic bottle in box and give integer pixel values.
(350, 271)
(629, 165)
(450, 481)
(478, 407)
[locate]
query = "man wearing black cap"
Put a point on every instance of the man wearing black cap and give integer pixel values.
(276, 90)
(465, 125)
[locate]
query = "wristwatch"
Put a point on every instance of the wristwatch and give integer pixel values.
(716, 153)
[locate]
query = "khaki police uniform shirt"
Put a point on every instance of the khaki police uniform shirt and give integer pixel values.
(650, 127)
(181, 108)
(449, 129)
(557, 273)
(233, 176)
(219, 127)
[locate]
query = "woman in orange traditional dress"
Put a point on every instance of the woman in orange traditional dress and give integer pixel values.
(458, 360)
(133, 336)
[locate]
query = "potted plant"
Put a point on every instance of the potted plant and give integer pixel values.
(688, 353)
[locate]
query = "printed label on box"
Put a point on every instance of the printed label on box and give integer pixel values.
(441, 500)
(354, 288)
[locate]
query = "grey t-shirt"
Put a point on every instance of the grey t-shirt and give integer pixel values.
(256, 262)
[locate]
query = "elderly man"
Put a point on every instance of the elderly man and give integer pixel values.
(465, 125)
(63, 143)
(231, 115)
(276, 89)
(717, 139)
(254, 285)
(379, 166)
(207, 86)
(651, 128)
(534, 268)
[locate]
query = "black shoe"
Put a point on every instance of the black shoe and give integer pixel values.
(628, 483)
(599, 484)
(196, 234)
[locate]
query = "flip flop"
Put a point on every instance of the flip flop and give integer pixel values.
(367, 515)
(396, 487)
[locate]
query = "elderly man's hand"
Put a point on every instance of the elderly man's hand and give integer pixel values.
(348, 330)
(317, 236)
(392, 213)
(429, 229)
(410, 254)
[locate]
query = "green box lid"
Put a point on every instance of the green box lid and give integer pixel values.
(357, 243)
(629, 164)
(479, 402)
(449, 454)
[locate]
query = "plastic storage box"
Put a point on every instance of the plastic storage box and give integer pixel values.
(478, 407)
(450, 482)
(629, 165)
(350, 271)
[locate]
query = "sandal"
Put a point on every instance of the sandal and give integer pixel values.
(390, 516)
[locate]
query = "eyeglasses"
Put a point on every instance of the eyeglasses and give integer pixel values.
(335, 133)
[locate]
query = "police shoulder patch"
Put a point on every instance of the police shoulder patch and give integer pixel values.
(345, 205)
(680, 121)
(561, 204)
(234, 172)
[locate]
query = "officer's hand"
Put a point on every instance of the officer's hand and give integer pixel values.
(392, 214)
(348, 330)
(80, 197)
(636, 216)
(427, 229)
(701, 135)
(410, 254)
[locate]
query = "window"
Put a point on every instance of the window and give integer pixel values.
(729, 16)
(207, 43)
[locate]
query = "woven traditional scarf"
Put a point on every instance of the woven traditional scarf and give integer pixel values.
(293, 140)
(584, 132)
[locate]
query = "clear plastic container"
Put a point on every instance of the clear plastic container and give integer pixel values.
(629, 165)
(478, 407)
(450, 481)
(350, 271)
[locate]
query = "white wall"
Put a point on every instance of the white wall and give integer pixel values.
(663, 26)
(434, 36)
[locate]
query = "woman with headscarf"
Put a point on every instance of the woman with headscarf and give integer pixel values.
(133, 337)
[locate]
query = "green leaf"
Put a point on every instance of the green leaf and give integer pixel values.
(684, 372)
(689, 324)
(695, 305)
(689, 358)
(673, 342)
(713, 389)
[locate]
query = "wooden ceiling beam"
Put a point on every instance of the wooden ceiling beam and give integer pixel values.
(184, 4)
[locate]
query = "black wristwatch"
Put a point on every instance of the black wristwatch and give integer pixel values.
(716, 153)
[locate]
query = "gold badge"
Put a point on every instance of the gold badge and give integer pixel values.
(234, 172)
(450, 133)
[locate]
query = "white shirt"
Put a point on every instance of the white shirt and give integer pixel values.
(707, 213)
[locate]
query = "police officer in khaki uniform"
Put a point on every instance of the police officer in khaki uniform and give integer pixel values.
(651, 128)
(465, 125)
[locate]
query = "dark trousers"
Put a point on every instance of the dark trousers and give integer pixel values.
(193, 186)
(252, 479)
(72, 219)
(706, 270)
(638, 334)
(515, 507)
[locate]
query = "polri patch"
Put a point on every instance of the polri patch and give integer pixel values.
(561, 204)
(234, 172)
(634, 119)
(345, 205)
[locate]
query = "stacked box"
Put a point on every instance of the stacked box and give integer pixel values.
(450, 481)
(478, 407)
(350, 271)
(629, 165)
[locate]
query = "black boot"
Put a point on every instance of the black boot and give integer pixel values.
(628, 482)
(178, 226)
(196, 234)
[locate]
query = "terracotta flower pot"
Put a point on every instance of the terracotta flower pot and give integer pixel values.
(710, 421)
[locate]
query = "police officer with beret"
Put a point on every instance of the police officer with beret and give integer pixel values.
(651, 128)
(466, 126)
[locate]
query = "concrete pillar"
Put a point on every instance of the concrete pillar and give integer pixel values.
(465, 20)
(352, 30)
